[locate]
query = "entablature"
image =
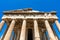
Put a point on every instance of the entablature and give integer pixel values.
(30, 16)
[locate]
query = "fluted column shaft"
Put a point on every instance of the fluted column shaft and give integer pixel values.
(58, 25)
(36, 31)
(1, 24)
(50, 32)
(23, 30)
(8, 34)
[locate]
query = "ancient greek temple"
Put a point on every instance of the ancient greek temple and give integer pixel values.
(28, 24)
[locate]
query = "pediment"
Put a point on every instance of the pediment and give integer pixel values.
(26, 10)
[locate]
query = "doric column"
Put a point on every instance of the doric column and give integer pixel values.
(10, 29)
(23, 30)
(1, 24)
(58, 25)
(50, 32)
(36, 31)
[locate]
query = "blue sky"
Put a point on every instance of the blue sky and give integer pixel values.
(41, 5)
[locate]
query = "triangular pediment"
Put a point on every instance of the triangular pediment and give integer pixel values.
(26, 10)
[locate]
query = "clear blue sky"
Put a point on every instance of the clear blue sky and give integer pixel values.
(41, 5)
